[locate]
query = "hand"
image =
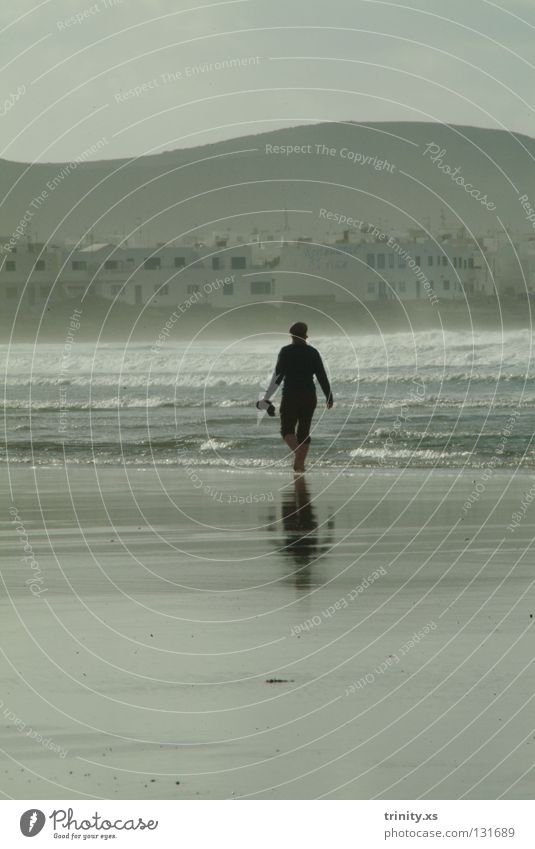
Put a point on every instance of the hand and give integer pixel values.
(330, 403)
(265, 406)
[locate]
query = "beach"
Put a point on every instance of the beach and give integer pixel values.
(220, 633)
(267, 472)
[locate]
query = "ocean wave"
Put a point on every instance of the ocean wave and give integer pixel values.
(403, 458)
(141, 460)
(253, 360)
(71, 444)
(377, 403)
(423, 455)
(202, 384)
(27, 405)
(216, 444)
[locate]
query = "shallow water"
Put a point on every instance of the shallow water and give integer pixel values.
(418, 400)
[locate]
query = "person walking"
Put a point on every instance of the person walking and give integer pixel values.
(297, 364)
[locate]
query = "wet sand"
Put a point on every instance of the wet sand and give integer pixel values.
(240, 635)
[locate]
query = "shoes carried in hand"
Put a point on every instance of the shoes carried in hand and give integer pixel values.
(267, 406)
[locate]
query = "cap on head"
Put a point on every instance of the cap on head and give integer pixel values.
(299, 331)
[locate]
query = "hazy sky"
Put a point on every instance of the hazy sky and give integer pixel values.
(68, 69)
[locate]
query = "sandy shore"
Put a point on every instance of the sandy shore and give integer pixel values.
(144, 613)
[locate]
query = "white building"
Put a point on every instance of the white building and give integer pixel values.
(28, 272)
(161, 276)
(372, 267)
(391, 267)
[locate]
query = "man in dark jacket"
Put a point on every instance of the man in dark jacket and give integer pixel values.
(296, 366)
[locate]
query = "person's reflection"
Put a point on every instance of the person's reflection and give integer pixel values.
(301, 540)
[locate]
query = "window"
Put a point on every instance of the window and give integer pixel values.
(180, 261)
(430, 260)
(111, 264)
(371, 288)
(471, 262)
(216, 263)
(10, 265)
(444, 260)
(261, 287)
(228, 288)
(391, 260)
(418, 260)
(153, 263)
(455, 262)
(370, 260)
(193, 288)
(116, 289)
(401, 262)
(238, 262)
(11, 292)
(445, 285)
(39, 265)
(161, 290)
(380, 260)
(79, 265)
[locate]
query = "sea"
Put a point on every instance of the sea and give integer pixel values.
(423, 399)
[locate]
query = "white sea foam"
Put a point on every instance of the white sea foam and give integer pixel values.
(410, 353)
(408, 454)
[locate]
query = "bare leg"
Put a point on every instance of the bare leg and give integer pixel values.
(291, 441)
(300, 456)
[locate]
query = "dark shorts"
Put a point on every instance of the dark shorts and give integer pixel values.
(297, 409)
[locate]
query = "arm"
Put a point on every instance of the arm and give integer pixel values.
(323, 380)
(276, 379)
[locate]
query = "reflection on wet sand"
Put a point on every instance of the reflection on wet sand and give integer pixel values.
(303, 542)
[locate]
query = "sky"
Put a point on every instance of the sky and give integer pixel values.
(118, 78)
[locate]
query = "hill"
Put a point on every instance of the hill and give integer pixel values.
(377, 172)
